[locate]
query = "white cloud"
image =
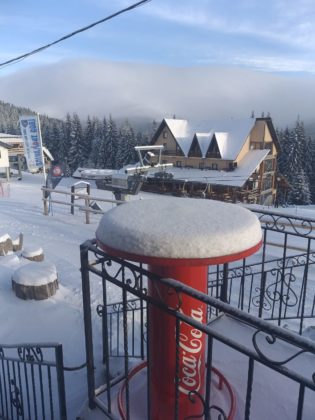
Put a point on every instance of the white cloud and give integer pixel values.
(284, 22)
(138, 90)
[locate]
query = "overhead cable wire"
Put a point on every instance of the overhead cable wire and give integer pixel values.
(85, 28)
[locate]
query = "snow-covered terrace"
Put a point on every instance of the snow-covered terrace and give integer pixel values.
(235, 178)
(60, 318)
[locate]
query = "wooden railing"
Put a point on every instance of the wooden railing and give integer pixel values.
(88, 199)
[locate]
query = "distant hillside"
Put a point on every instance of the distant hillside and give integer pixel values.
(9, 117)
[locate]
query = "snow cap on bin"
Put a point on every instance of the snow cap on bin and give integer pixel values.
(179, 228)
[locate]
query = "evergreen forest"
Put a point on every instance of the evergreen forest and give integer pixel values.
(104, 143)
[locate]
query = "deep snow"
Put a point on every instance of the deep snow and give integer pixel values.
(60, 319)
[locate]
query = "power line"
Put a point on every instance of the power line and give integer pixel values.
(85, 28)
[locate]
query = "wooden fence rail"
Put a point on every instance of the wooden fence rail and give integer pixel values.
(47, 199)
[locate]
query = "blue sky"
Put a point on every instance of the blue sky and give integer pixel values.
(272, 37)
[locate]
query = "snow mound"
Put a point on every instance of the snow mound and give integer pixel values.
(10, 260)
(179, 228)
(35, 274)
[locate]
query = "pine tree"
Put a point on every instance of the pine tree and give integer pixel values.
(295, 167)
(111, 144)
(126, 146)
(102, 158)
(311, 167)
(75, 158)
(87, 140)
(96, 143)
(68, 130)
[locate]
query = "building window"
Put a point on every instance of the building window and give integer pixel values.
(268, 165)
(267, 183)
(215, 166)
(255, 145)
(179, 163)
(201, 165)
(164, 134)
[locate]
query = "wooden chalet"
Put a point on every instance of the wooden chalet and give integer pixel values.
(232, 160)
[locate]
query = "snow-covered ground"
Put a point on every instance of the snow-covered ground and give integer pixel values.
(59, 318)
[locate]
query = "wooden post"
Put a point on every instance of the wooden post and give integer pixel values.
(87, 209)
(45, 203)
(72, 199)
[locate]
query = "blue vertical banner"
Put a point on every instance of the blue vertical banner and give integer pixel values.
(30, 130)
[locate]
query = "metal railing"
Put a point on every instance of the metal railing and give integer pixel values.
(32, 382)
(278, 284)
(125, 333)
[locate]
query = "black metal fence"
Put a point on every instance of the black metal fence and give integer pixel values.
(32, 382)
(275, 285)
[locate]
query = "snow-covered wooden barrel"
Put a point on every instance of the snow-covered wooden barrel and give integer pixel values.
(33, 254)
(5, 244)
(35, 281)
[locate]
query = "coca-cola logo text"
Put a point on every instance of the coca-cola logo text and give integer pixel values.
(190, 354)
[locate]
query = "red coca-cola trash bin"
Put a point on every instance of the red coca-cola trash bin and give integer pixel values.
(178, 238)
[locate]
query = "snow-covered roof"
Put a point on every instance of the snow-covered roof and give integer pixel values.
(235, 178)
(182, 133)
(204, 140)
(171, 228)
(47, 153)
(10, 138)
(230, 135)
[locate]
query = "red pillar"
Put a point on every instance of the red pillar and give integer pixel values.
(162, 345)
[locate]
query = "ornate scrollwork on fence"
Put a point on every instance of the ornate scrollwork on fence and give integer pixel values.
(131, 275)
(297, 260)
(30, 354)
(256, 300)
(100, 310)
(274, 293)
(281, 222)
(271, 339)
(15, 397)
(288, 297)
(131, 305)
(214, 409)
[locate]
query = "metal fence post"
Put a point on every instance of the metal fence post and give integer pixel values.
(61, 383)
(87, 323)
(224, 287)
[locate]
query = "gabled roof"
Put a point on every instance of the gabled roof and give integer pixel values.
(181, 132)
(195, 141)
(272, 131)
(230, 135)
(204, 140)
